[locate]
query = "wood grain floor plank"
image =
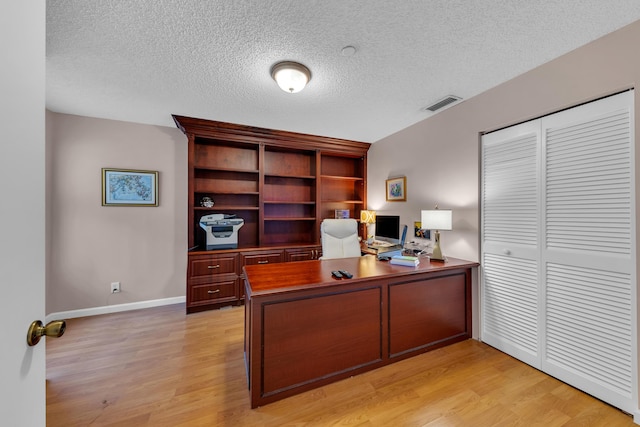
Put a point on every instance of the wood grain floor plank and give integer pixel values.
(160, 367)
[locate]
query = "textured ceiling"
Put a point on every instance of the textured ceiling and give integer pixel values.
(143, 60)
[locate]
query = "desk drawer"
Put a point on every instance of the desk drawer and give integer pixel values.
(303, 254)
(210, 265)
(263, 257)
(226, 290)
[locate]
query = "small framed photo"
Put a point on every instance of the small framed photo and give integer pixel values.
(342, 213)
(127, 187)
(397, 189)
(420, 232)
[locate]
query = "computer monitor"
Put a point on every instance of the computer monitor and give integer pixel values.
(387, 228)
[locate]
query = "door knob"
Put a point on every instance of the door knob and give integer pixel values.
(54, 329)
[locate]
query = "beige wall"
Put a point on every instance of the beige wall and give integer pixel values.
(89, 245)
(440, 155)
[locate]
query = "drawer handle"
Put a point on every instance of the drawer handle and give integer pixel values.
(263, 262)
(211, 267)
(213, 292)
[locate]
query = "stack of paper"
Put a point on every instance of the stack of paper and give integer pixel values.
(410, 261)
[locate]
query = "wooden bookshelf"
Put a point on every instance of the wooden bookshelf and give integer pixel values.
(282, 184)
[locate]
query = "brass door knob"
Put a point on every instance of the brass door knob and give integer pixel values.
(54, 329)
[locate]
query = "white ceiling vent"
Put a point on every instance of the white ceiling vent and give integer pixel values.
(447, 100)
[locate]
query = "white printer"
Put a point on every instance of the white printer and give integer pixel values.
(222, 230)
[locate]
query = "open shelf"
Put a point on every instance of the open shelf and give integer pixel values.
(342, 178)
(219, 169)
(217, 208)
(278, 202)
(273, 175)
(291, 219)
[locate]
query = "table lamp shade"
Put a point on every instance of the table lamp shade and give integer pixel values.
(437, 219)
(368, 217)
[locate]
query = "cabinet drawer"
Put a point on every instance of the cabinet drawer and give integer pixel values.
(213, 292)
(303, 254)
(251, 258)
(208, 265)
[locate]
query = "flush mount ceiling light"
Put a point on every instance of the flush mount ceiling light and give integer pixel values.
(292, 77)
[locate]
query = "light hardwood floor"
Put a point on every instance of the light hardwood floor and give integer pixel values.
(160, 367)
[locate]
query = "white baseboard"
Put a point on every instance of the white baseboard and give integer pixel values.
(94, 311)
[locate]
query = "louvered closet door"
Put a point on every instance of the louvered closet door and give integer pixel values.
(559, 291)
(588, 256)
(510, 233)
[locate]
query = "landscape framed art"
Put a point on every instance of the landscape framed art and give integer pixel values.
(129, 187)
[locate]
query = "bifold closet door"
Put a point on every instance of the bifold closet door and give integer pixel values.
(510, 232)
(569, 306)
(588, 255)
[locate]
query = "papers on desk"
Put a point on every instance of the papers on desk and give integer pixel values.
(409, 261)
(376, 244)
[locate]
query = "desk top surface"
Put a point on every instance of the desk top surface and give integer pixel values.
(289, 276)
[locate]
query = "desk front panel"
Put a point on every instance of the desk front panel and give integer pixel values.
(340, 332)
(427, 312)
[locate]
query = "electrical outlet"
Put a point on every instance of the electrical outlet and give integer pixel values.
(115, 287)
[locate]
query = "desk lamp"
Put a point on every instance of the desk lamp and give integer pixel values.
(367, 218)
(437, 219)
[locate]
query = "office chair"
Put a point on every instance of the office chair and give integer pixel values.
(339, 238)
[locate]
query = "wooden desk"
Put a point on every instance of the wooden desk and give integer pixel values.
(304, 329)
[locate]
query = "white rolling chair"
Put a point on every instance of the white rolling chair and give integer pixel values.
(339, 238)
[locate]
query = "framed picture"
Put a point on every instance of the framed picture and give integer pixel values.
(420, 232)
(397, 189)
(126, 187)
(342, 213)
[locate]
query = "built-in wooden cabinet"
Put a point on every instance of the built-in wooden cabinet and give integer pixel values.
(282, 184)
(343, 185)
(212, 280)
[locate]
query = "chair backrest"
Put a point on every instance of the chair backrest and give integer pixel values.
(339, 238)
